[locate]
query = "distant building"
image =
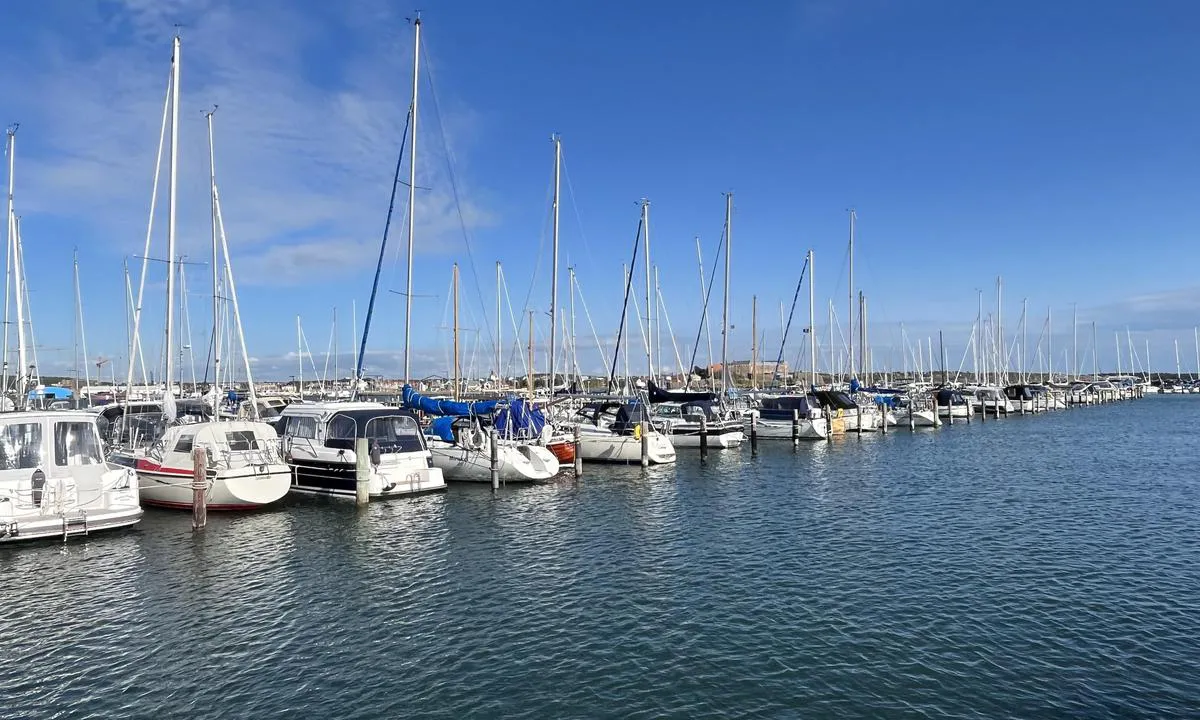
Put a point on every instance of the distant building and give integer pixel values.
(746, 372)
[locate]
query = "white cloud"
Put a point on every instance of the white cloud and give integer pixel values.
(312, 112)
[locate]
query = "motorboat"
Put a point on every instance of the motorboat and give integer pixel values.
(54, 481)
(318, 442)
(795, 416)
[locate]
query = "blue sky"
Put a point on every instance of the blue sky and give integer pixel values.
(1051, 143)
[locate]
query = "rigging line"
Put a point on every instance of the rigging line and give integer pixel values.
(637, 239)
(712, 278)
(387, 224)
(662, 305)
(788, 326)
(595, 335)
(574, 205)
(537, 266)
(437, 111)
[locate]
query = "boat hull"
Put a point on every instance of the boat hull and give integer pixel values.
(515, 463)
(338, 478)
(605, 446)
(244, 488)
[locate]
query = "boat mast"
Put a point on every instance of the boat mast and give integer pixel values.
(1002, 351)
(1117, 344)
(10, 238)
(832, 356)
(1095, 354)
(1196, 335)
(574, 351)
(300, 359)
(454, 285)
(754, 342)
(976, 337)
(554, 258)
(1050, 341)
(1075, 341)
(1178, 368)
(812, 327)
(531, 383)
(649, 291)
(862, 335)
(850, 332)
(173, 174)
(499, 334)
(216, 274)
(725, 312)
(412, 189)
(704, 316)
(1024, 335)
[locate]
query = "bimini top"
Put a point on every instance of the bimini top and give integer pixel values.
(658, 395)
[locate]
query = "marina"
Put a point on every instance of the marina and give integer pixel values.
(954, 571)
(801, 402)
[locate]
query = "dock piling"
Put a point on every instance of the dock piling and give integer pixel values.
(753, 434)
(645, 426)
(362, 472)
(703, 437)
(199, 488)
(578, 456)
(495, 459)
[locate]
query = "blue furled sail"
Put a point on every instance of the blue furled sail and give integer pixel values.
(416, 401)
(521, 419)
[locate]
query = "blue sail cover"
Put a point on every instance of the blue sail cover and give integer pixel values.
(520, 419)
(443, 427)
(416, 401)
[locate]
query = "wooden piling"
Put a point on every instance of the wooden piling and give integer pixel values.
(199, 488)
(495, 459)
(645, 443)
(578, 455)
(362, 472)
(753, 433)
(703, 437)
(795, 428)
(858, 409)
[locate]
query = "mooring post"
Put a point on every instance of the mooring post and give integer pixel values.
(912, 418)
(199, 488)
(753, 433)
(858, 409)
(578, 455)
(883, 417)
(950, 410)
(495, 459)
(362, 472)
(970, 409)
(645, 443)
(703, 437)
(795, 427)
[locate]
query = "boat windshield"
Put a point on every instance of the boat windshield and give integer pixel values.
(395, 434)
(76, 443)
(137, 430)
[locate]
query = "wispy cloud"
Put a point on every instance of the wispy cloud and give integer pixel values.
(312, 113)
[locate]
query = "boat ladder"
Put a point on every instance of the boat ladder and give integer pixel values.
(74, 525)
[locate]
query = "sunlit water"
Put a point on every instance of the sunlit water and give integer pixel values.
(1031, 567)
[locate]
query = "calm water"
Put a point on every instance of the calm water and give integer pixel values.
(1031, 567)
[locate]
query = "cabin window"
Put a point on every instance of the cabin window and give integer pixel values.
(341, 428)
(395, 433)
(185, 444)
(76, 443)
(21, 446)
(302, 427)
(241, 440)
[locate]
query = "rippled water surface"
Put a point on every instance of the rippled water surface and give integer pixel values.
(1031, 567)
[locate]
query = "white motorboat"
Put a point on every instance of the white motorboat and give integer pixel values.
(318, 441)
(54, 482)
(990, 399)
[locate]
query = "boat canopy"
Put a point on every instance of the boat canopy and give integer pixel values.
(835, 399)
(950, 396)
(520, 419)
(416, 401)
(780, 408)
(659, 395)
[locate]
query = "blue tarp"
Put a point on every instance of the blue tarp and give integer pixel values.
(51, 391)
(520, 420)
(443, 427)
(416, 401)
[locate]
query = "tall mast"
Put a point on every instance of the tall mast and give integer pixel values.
(412, 189)
(862, 334)
(454, 284)
(754, 341)
(531, 382)
(335, 352)
(850, 331)
(725, 312)
(171, 208)
(704, 308)
(1024, 334)
(499, 335)
(11, 239)
(649, 292)
(19, 288)
(832, 356)
(300, 359)
(1117, 344)
(812, 326)
(1196, 336)
(574, 351)
(216, 274)
(1095, 354)
(1075, 341)
(1178, 368)
(1002, 366)
(976, 337)
(1050, 341)
(554, 259)
(354, 344)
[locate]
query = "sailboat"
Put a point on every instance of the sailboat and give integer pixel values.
(54, 482)
(245, 467)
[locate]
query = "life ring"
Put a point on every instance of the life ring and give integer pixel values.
(637, 431)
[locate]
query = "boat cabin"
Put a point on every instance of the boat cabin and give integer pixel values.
(781, 408)
(45, 452)
(337, 425)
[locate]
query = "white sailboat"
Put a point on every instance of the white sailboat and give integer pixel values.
(245, 468)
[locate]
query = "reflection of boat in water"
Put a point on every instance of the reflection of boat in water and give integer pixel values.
(318, 441)
(54, 482)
